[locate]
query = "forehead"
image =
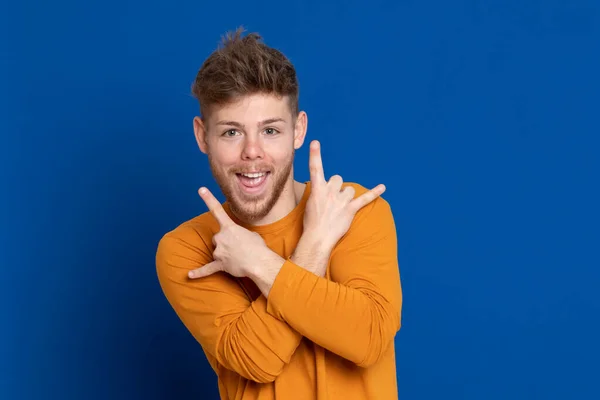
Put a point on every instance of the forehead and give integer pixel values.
(253, 108)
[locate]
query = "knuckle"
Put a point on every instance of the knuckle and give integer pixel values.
(218, 239)
(336, 181)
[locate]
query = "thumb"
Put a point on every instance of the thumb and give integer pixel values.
(205, 270)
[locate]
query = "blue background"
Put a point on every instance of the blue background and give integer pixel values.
(481, 118)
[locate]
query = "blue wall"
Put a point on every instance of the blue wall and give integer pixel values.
(481, 118)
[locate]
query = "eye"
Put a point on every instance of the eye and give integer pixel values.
(271, 131)
(230, 133)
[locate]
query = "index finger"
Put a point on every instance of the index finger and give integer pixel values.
(215, 207)
(315, 164)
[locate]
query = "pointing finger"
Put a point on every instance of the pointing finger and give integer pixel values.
(315, 164)
(215, 207)
(205, 270)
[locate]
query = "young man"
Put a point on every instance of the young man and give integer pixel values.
(292, 289)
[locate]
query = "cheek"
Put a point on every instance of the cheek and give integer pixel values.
(226, 155)
(280, 152)
(282, 158)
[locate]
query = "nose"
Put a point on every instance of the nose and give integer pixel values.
(252, 148)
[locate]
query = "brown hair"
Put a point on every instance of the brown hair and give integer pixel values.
(243, 66)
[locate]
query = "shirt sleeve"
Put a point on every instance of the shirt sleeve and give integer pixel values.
(357, 312)
(237, 332)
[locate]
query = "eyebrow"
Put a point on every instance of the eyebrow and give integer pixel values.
(238, 125)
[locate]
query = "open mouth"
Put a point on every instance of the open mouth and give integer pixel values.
(253, 182)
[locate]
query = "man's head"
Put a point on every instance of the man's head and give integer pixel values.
(250, 125)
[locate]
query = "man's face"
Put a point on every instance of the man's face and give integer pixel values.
(250, 146)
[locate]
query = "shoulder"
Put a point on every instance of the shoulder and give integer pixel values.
(188, 244)
(201, 226)
(374, 219)
(376, 209)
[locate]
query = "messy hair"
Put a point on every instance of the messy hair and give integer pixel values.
(244, 65)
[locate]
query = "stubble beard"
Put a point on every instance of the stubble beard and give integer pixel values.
(251, 209)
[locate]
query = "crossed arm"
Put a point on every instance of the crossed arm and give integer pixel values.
(354, 313)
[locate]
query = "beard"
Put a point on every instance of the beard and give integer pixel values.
(250, 208)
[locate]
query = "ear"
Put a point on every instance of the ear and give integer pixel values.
(200, 133)
(300, 129)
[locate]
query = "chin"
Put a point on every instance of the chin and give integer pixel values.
(249, 213)
(250, 203)
(252, 210)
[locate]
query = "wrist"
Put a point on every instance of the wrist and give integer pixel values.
(263, 274)
(313, 243)
(312, 254)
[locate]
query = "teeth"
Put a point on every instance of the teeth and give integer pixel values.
(255, 175)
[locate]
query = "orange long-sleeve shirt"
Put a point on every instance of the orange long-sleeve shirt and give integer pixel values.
(314, 337)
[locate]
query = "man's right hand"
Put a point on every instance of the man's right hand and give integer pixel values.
(330, 209)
